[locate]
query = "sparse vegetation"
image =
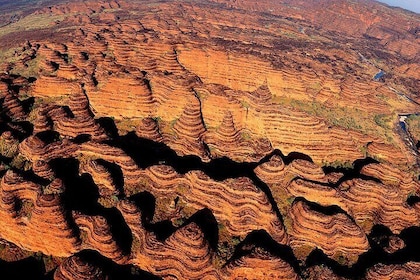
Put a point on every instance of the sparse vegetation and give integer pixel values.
(364, 151)
(85, 158)
(245, 104)
(9, 148)
(126, 125)
(383, 121)
(366, 225)
(303, 251)
(108, 201)
(225, 249)
(32, 22)
(28, 69)
(166, 127)
(345, 117)
(135, 245)
(413, 122)
(338, 164)
(242, 54)
(245, 135)
(20, 162)
(25, 208)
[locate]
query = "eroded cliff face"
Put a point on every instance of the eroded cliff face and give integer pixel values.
(210, 140)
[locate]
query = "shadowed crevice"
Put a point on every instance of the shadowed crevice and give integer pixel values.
(29, 268)
(81, 194)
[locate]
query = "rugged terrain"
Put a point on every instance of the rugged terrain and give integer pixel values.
(209, 140)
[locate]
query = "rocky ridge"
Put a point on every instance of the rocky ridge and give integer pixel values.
(183, 143)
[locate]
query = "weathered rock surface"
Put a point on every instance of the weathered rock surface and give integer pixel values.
(210, 140)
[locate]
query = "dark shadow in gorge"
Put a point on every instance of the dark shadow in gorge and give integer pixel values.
(208, 225)
(147, 153)
(109, 126)
(116, 174)
(28, 104)
(354, 172)
(325, 210)
(19, 129)
(29, 268)
(81, 194)
(146, 202)
(413, 199)
(204, 218)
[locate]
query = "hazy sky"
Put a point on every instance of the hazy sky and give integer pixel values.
(413, 5)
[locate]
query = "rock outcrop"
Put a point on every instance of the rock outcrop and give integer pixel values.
(406, 271)
(33, 220)
(210, 140)
(75, 268)
(337, 236)
(260, 265)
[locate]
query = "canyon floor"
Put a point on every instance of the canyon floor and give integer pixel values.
(209, 139)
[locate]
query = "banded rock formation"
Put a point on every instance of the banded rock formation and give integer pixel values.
(33, 220)
(99, 237)
(237, 204)
(336, 234)
(260, 265)
(213, 90)
(406, 271)
(164, 258)
(75, 268)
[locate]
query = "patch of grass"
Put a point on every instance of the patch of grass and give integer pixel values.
(338, 164)
(32, 22)
(345, 117)
(366, 225)
(143, 184)
(83, 236)
(413, 123)
(135, 245)
(162, 208)
(339, 116)
(245, 104)
(201, 94)
(282, 197)
(9, 148)
(302, 252)
(108, 201)
(29, 69)
(20, 162)
(172, 123)
(126, 125)
(186, 210)
(290, 35)
(383, 121)
(344, 259)
(225, 249)
(246, 136)
(316, 86)
(85, 158)
(178, 222)
(25, 208)
(59, 100)
(167, 127)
